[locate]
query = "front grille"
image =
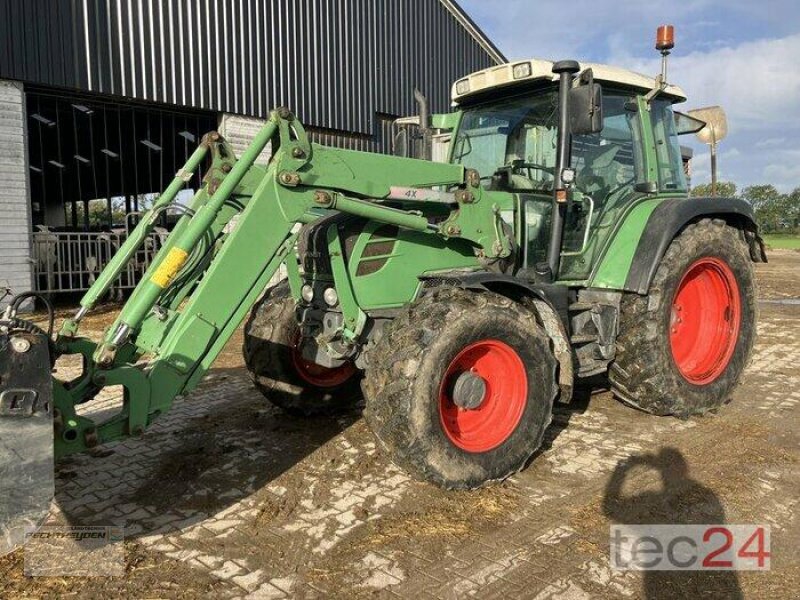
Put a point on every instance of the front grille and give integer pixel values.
(380, 244)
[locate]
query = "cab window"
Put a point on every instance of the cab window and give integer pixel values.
(512, 143)
(608, 162)
(671, 175)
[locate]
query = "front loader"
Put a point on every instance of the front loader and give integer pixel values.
(462, 299)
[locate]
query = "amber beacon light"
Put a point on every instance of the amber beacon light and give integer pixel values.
(665, 41)
(665, 37)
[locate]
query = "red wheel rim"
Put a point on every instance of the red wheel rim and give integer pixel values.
(705, 319)
(488, 426)
(317, 375)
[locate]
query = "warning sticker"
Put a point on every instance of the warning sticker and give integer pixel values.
(169, 267)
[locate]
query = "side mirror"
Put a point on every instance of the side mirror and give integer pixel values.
(586, 106)
(400, 146)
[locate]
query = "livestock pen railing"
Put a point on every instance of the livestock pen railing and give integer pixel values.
(71, 261)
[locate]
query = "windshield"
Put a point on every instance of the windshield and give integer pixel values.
(516, 135)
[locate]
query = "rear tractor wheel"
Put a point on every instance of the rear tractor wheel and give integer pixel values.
(682, 348)
(280, 371)
(460, 389)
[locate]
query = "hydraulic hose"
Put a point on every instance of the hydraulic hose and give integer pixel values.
(51, 315)
(23, 325)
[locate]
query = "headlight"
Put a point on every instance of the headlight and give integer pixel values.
(521, 70)
(307, 293)
(331, 297)
(462, 87)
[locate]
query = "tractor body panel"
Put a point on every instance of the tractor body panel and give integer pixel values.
(383, 263)
(611, 270)
(642, 235)
(386, 264)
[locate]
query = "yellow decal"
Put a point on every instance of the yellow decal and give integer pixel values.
(169, 267)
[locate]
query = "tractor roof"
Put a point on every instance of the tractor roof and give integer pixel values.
(542, 70)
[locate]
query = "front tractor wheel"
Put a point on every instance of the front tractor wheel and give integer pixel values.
(278, 369)
(682, 348)
(460, 389)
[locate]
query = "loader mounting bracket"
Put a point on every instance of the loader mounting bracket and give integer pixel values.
(27, 480)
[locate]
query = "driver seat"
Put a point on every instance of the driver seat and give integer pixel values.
(599, 164)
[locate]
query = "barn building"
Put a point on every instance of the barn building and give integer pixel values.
(101, 101)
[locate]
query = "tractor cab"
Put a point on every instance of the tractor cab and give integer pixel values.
(508, 130)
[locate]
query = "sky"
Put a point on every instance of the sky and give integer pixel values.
(741, 54)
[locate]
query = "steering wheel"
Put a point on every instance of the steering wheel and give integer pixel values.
(587, 181)
(521, 164)
(518, 164)
(621, 186)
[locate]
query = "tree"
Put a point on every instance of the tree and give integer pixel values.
(725, 189)
(793, 209)
(775, 212)
(761, 196)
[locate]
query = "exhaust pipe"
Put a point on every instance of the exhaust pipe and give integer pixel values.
(565, 69)
(424, 124)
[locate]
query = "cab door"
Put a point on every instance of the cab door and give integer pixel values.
(608, 165)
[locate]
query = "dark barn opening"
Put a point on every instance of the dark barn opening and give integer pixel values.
(95, 165)
(85, 149)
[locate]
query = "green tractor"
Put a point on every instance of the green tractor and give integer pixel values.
(464, 298)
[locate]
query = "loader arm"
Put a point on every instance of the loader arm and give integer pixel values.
(230, 241)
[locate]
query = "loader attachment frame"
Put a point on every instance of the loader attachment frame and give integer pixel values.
(231, 239)
(27, 479)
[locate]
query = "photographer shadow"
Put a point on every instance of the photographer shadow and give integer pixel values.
(680, 501)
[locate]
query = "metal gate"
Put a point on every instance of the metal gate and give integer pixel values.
(70, 262)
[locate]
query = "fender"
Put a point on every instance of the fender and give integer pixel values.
(671, 216)
(641, 238)
(549, 302)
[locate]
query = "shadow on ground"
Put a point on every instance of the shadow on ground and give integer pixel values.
(678, 500)
(219, 445)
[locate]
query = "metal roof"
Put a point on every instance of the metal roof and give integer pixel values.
(338, 64)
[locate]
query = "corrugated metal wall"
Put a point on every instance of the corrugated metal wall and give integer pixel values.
(336, 63)
(15, 210)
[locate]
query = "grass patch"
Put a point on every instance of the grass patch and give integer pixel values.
(782, 241)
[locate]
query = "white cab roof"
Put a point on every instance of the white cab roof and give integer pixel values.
(502, 75)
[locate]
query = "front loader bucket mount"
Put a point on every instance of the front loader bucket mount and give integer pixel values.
(26, 435)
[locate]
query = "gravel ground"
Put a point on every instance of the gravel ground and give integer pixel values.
(228, 497)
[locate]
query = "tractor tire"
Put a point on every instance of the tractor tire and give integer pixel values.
(682, 348)
(278, 369)
(410, 388)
